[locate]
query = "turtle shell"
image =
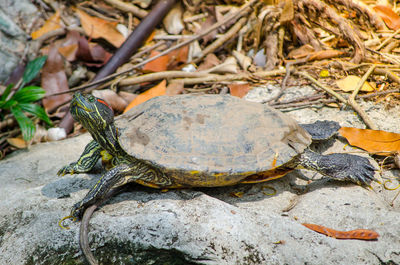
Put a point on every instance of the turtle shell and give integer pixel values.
(210, 133)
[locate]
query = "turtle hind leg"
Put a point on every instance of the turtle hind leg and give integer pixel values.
(339, 166)
(321, 130)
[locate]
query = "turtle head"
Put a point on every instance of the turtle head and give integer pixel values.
(93, 113)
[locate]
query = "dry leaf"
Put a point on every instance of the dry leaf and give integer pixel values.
(54, 80)
(373, 141)
(175, 88)
(51, 24)
(229, 66)
(243, 60)
(391, 19)
(325, 54)
(17, 142)
(155, 91)
(100, 28)
(239, 89)
(173, 20)
(113, 99)
(362, 234)
(127, 96)
(158, 65)
(301, 52)
(350, 82)
(210, 61)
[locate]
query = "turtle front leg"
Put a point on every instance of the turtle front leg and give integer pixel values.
(339, 166)
(117, 177)
(86, 161)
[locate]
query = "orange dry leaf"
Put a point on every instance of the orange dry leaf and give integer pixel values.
(363, 234)
(374, 141)
(325, 54)
(239, 90)
(99, 28)
(155, 91)
(391, 19)
(158, 65)
(51, 24)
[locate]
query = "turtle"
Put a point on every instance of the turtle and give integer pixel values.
(191, 140)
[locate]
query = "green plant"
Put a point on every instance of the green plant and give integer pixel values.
(21, 99)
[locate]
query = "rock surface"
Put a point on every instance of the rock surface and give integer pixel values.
(199, 226)
(13, 39)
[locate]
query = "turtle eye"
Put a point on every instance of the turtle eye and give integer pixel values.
(91, 98)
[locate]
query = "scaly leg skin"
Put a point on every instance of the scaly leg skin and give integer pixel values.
(117, 177)
(339, 166)
(86, 161)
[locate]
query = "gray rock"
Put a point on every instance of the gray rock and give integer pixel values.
(200, 226)
(13, 39)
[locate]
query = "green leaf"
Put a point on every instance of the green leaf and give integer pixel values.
(8, 104)
(36, 110)
(29, 94)
(33, 68)
(6, 92)
(26, 124)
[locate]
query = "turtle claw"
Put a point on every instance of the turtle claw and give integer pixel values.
(60, 223)
(69, 169)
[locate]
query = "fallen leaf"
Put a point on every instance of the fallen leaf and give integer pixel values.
(362, 234)
(127, 96)
(51, 24)
(373, 141)
(325, 54)
(228, 66)
(239, 89)
(99, 28)
(210, 61)
(77, 47)
(177, 57)
(391, 19)
(175, 88)
(155, 91)
(243, 60)
(173, 20)
(69, 51)
(350, 82)
(54, 80)
(158, 65)
(113, 99)
(17, 142)
(301, 52)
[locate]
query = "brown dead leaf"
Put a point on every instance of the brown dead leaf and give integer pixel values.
(210, 61)
(127, 96)
(54, 80)
(113, 99)
(158, 65)
(17, 142)
(175, 88)
(99, 28)
(178, 57)
(239, 89)
(350, 82)
(77, 47)
(155, 91)
(325, 54)
(373, 141)
(51, 24)
(391, 19)
(301, 52)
